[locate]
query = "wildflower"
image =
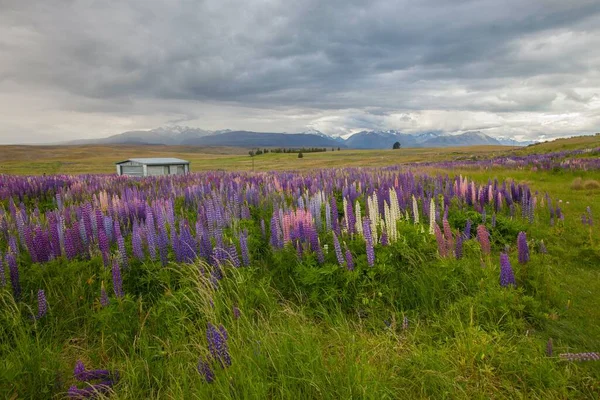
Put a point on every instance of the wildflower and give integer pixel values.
(338, 250)
(84, 375)
(244, 248)
(432, 216)
(405, 323)
(236, 312)
(217, 344)
(117, 279)
(42, 304)
(523, 248)
(507, 276)
(467, 233)
(104, 300)
(543, 249)
(90, 391)
(384, 238)
(440, 241)
(136, 241)
(483, 237)
(205, 370)
(580, 356)
(349, 260)
(369, 241)
(458, 251)
(2, 273)
(14, 275)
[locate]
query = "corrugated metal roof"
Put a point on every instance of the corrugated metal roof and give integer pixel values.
(156, 161)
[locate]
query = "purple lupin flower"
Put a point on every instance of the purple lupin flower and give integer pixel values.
(122, 251)
(275, 241)
(205, 370)
(84, 375)
(334, 215)
(349, 260)
(151, 234)
(369, 241)
(232, 254)
(549, 348)
(507, 276)
(313, 237)
(467, 233)
(350, 218)
(104, 300)
(236, 312)
(104, 247)
(136, 242)
(2, 272)
(79, 369)
(42, 304)
(523, 248)
(72, 242)
(384, 238)
(458, 251)
(13, 270)
(244, 248)
(117, 279)
(90, 391)
(217, 344)
(338, 250)
(12, 245)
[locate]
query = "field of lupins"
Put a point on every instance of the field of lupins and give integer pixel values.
(335, 283)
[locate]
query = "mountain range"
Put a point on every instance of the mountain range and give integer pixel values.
(180, 135)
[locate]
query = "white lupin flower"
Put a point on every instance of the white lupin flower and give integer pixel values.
(358, 214)
(394, 208)
(415, 210)
(345, 205)
(373, 215)
(432, 216)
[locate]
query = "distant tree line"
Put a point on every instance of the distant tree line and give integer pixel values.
(257, 152)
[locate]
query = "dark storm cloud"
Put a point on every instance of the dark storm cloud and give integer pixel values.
(119, 57)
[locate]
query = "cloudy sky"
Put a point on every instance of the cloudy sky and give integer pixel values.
(86, 69)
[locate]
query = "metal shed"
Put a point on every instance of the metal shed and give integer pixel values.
(153, 166)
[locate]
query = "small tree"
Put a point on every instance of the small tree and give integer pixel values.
(300, 155)
(396, 146)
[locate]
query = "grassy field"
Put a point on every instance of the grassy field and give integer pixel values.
(316, 331)
(36, 160)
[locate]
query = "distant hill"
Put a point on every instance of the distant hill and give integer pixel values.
(179, 135)
(262, 139)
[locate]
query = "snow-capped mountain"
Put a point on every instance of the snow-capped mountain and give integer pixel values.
(375, 139)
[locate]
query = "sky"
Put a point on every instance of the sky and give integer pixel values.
(73, 69)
